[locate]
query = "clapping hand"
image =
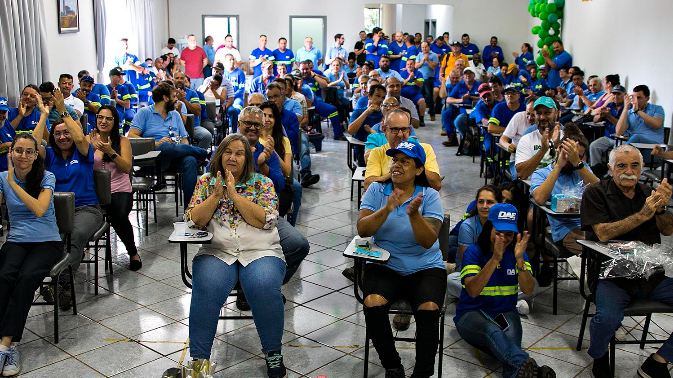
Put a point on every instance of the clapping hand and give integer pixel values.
(22, 108)
(218, 190)
(80, 95)
(266, 153)
(664, 191)
(414, 205)
(521, 244)
(181, 94)
(10, 168)
(498, 247)
(394, 200)
(230, 182)
(657, 151)
(578, 91)
(545, 53)
(45, 109)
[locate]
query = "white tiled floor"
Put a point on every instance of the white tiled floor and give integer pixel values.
(324, 324)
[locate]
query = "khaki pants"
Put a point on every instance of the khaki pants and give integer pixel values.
(570, 241)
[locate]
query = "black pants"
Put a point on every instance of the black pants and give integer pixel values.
(118, 211)
(428, 87)
(23, 267)
(425, 286)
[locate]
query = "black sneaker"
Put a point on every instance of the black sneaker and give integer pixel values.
(601, 368)
(401, 322)
(545, 372)
(241, 303)
(309, 180)
(340, 137)
(349, 273)
(47, 293)
(397, 372)
(64, 297)
(545, 276)
(653, 369)
(528, 369)
(274, 365)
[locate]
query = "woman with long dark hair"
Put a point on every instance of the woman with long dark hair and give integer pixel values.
(525, 57)
(403, 215)
(113, 152)
(33, 244)
(494, 269)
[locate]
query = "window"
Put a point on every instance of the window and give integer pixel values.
(372, 18)
(218, 27)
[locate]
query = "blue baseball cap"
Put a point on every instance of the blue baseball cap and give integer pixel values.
(409, 148)
(504, 217)
(545, 101)
(4, 104)
(510, 87)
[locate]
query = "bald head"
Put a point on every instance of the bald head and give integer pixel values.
(393, 87)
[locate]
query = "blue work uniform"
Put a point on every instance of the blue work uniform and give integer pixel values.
(561, 60)
(375, 50)
(410, 90)
(469, 50)
(27, 123)
(488, 59)
(258, 54)
(395, 49)
(283, 57)
(102, 92)
(94, 99)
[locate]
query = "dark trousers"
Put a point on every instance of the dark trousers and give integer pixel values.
(428, 87)
(118, 213)
(23, 267)
(427, 285)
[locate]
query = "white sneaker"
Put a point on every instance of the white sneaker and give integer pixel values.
(522, 307)
(575, 265)
(11, 367)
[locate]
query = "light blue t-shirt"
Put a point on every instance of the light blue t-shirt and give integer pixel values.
(337, 52)
(74, 174)
(314, 55)
(26, 226)
(638, 127)
(293, 106)
(151, 125)
(559, 226)
(396, 235)
(468, 234)
(391, 72)
(340, 87)
(425, 69)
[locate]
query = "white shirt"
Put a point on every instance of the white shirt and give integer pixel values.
(208, 94)
(516, 126)
(75, 103)
(409, 105)
(221, 53)
(528, 146)
(173, 51)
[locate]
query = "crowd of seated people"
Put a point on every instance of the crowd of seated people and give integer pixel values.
(240, 187)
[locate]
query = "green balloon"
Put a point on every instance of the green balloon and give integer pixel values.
(559, 3)
(536, 29)
(543, 34)
(544, 15)
(551, 8)
(548, 41)
(538, 8)
(556, 38)
(559, 13)
(545, 25)
(529, 8)
(553, 17)
(539, 60)
(540, 43)
(556, 26)
(541, 1)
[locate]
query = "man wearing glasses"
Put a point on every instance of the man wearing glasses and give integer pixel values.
(397, 128)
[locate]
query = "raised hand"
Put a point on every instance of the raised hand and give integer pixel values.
(570, 148)
(267, 152)
(545, 53)
(41, 107)
(59, 102)
(498, 247)
(113, 94)
(218, 189)
(394, 200)
(22, 108)
(657, 151)
(414, 205)
(664, 190)
(230, 182)
(80, 95)
(521, 244)
(10, 168)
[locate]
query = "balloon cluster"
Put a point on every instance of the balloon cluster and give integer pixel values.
(550, 12)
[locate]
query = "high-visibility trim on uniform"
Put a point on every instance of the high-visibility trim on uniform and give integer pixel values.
(143, 87)
(469, 269)
(104, 97)
(126, 97)
(239, 107)
(494, 121)
(499, 291)
(335, 114)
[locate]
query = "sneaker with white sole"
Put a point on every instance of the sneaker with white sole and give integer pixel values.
(522, 307)
(575, 265)
(11, 366)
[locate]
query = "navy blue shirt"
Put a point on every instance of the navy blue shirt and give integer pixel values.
(28, 122)
(291, 126)
(371, 120)
(74, 174)
(469, 50)
(275, 173)
(488, 59)
(461, 89)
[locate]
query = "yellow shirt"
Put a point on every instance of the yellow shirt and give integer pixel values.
(287, 145)
(451, 63)
(378, 163)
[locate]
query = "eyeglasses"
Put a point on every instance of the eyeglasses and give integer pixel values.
(58, 134)
(396, 130)
(20, 151)
(256, 125)
(274, 97)
(102, 117)
(386, 106)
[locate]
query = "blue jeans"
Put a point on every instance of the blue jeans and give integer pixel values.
(448, 117)
(296, 200)
(326, 110)
(304, 156)
(295, 247)
(212, 282)
(483, 334)
(233, 111)
(203, 137)
(182, 158)
(461, 123)
(611, 300)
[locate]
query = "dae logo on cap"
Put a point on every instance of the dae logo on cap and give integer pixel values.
(405, 145)
(3, 102)
(506, 215)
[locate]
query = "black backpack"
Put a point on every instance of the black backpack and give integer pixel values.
(469, 145)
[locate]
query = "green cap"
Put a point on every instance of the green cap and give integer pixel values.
(545, 101)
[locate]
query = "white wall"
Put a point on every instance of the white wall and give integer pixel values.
(70, 53)
(160, 25)
(623, 36)
(444, 16)
(413, 18)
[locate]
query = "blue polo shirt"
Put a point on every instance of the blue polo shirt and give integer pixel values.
(469, 50)
(371, 120)
(237, 80)
(395, 49)
(192, 97)
(412, 53)
(425, 69)
(94, 99)
(285, 57)
(257, 54)
(396, 235)
(122, 93)
(609, 127)
(576, 104)
(27, 123)
(502, 114)
(340, 87)
(362, 102)
(275, 173)
(521, 60)
(26, 226)
(559, 226)
(291, 127)
(74, 174)
(151, 125)
(391, 72)
(639, 127)
(482, 111)
(562, 60)
(380, 48)
(210, 53)
(593, 97)
(102, 92)
(314, 55)
(461, 89)
(257, 85)
(502, 289)
(410, 89)
(488, 59)
(7, 134)
(335, 52)
(293, 106)
(445, 49)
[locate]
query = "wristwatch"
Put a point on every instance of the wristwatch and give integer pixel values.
(579, 166)
(113, 155)
(660, 212)
(65, 114)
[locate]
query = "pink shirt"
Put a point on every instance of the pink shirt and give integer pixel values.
(119, 181)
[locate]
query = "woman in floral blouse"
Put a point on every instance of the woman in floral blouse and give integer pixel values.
(239, 207)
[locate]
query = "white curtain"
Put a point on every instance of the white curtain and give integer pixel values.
(101, 31)
(142, 24)
(23, 44)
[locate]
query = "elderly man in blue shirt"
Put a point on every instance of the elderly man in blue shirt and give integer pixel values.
(163, 123)
(308, 52)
